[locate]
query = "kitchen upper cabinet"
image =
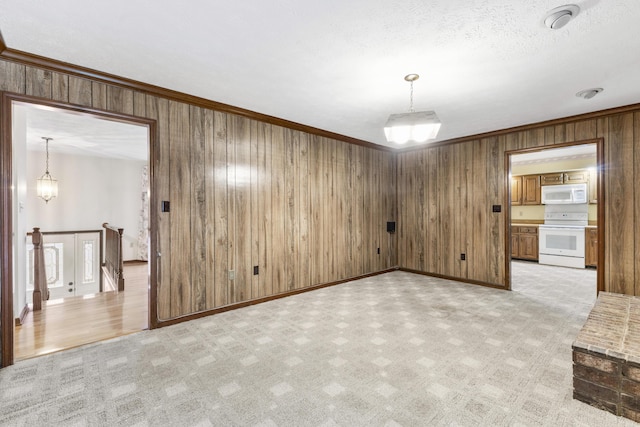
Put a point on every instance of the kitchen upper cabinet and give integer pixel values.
(576, 177)
(571, 177)
(591, 247)
(524, 242)
(526, 189)
(516, 190)
(531, 190)
(593, 186)
(552, 178)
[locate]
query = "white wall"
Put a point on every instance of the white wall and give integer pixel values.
(91, 191)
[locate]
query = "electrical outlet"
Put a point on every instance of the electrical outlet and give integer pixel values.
(232, 275)
(463, 257)
(256, 270)
(378, 251)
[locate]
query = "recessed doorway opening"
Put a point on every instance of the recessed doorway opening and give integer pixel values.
(61, 247)
(554, 239)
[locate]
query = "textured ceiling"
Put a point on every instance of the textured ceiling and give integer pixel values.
(339, 65)
(81, 134)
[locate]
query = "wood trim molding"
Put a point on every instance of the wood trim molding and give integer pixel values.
(553, 122)
(23, 314)
(135, 261)
(29, 59)
(6, 244)
(6, 231)
(507, 220)
(547, 147)
(154, 152)
(176, 320)
(457, 279)
(600, 214)
(601, 173)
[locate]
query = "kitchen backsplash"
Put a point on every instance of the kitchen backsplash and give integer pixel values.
(536, 213)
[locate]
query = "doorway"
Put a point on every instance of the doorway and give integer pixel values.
(578, 164)
(102, 163)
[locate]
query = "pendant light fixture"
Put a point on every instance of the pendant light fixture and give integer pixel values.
(419, 126)
(47, 187)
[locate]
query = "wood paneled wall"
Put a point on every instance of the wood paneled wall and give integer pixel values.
(446, 194)
(305, 209)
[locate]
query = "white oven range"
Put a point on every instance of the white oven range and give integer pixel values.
(561, 237)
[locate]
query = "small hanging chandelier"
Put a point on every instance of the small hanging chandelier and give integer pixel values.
(47, 187)
(419, 126)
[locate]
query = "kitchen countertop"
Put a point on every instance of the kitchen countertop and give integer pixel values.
(534, 223)
(527, 222)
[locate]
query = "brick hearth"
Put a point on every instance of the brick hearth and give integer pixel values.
(606, 356)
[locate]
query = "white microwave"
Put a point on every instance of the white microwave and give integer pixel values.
(564, 194)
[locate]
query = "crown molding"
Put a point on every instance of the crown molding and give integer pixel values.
(530, 126)
(29, 59)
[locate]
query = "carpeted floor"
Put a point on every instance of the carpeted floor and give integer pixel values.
(395, 349)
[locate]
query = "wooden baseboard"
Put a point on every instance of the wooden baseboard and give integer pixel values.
(135, 262)
(169, 322)
(23, 314)
(457, 279)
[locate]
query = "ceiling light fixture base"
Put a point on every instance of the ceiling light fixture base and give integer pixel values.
(589, 93)
(560, 16)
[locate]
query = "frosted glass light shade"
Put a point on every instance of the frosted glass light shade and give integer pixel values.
(420, 126)
(47, 187)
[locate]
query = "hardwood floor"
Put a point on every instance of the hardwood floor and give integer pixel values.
(70, 322)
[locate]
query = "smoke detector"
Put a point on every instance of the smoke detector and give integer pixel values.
(589, 93)
(560, 16)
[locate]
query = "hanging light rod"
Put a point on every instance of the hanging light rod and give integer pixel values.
(413, 126)
(47, 187)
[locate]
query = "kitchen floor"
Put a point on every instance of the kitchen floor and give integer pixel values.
(555, 286)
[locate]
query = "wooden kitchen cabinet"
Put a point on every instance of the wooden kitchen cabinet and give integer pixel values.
(552, 178)
(576, 177)
(570, 177)
(515, 242)
(524, 242)
(531, 190)
(591, 247)
(526, 189)
(516, 190)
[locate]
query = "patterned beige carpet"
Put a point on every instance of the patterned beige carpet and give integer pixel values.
(395, 349)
